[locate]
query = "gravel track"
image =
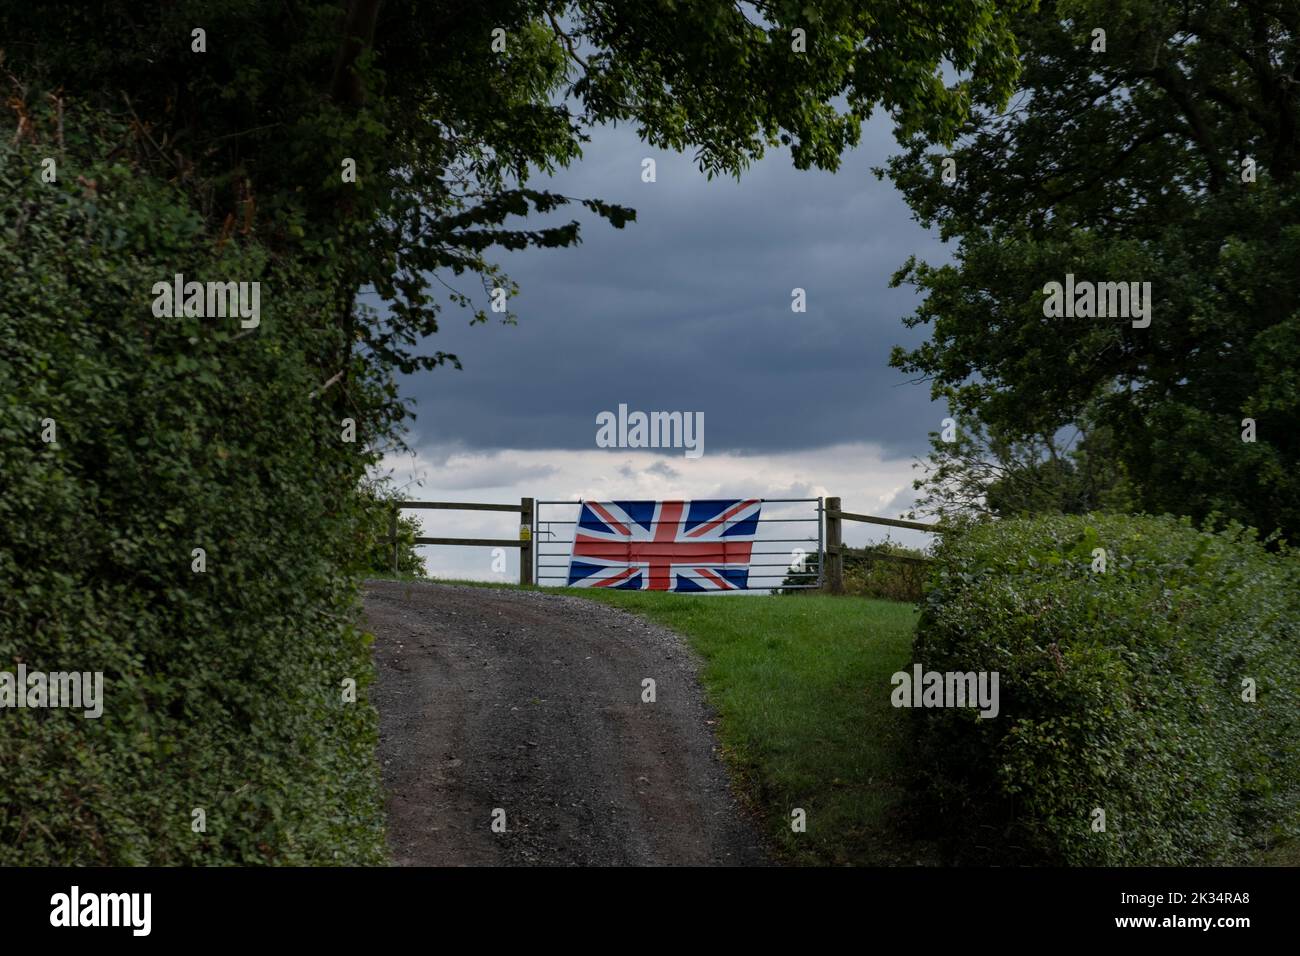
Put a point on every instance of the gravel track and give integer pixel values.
(531, 702)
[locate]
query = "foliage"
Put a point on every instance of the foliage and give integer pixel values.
(222, 688)
(377, 552)
(445, 130)
(868, 573)
(982, 474)
(1130, 165)
(1119, 689)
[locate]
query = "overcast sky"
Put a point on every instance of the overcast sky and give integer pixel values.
(686, 309)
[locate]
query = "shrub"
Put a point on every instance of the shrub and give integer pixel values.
(1120, 690)
(867, 573)
(377, 549)
(222, 689)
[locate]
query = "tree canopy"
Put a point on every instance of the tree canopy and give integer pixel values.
(446, 119)
(1166, 151)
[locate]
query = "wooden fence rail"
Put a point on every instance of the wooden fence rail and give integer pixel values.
(525, 542)
(834, 516)
(835, 549)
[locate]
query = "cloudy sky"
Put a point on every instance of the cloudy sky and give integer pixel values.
(687, 309)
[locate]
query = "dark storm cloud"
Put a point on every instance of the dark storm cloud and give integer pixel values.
(689, 309)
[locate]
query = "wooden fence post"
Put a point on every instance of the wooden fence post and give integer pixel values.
(526, 539)
(834, 552)
(392, 533)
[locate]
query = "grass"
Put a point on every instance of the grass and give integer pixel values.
(802, 688)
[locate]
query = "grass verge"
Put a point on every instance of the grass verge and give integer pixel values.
(801, 685)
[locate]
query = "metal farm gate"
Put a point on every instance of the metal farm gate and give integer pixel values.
(778, 551)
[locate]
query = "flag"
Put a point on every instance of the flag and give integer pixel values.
(664, 545)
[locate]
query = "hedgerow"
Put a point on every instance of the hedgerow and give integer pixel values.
(1126, 690)
(224, 689)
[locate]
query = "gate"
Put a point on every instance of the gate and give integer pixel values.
(555, 525)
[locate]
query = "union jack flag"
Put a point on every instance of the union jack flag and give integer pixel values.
(664, 545)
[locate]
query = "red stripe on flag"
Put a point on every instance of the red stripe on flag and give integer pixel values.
(670, 516)
(722, 583)
(618, 578)
(679, 552)
(608, 518)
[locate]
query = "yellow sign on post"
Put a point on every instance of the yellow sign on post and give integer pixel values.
(525, 533)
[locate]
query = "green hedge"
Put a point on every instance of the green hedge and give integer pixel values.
(1120, 690)
(376, 554)
(223, 690)
(872, 576)
(868, 574)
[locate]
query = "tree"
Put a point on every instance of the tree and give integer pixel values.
(446, 108)
(377, 549)
(1171, 158)
(982, 473)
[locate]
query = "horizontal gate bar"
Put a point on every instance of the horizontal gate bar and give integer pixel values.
(766, 501)
(552, 548)
(764, 587)
(552, 554)
(781, 550)
(658, 521)
(478, 542)
(784, 572)
(754, 564)
(458, 506)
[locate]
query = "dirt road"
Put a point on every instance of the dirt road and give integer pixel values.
(531, 703)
